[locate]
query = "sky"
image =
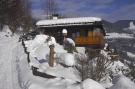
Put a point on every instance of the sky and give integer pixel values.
(110, 10)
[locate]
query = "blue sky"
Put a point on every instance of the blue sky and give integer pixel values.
(111, 10)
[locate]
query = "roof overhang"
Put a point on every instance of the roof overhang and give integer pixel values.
(68, 21)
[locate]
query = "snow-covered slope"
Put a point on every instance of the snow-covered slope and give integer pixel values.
(122, 82)
(91, 84)
(16, 73)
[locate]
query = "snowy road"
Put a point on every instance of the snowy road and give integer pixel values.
(8, 78)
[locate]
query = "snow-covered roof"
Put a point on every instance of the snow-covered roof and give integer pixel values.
(68, 21)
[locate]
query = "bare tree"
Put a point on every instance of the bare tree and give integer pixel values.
(15, 13)
(51, 8)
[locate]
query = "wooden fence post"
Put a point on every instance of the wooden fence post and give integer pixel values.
(51, 56)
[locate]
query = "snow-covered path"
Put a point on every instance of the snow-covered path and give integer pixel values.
(8, 78)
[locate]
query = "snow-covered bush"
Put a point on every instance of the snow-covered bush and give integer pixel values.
(99, 66)
(130, 73)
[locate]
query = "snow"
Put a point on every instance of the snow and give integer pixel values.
(52, 41)
(4, 35)
(39, 49)
(61, 72)
(37, 45)
(122, 82)
(131, 26)
(117, 67)
(119, 35)
(6, 30)
(16, 73)
(35, 86)
(8, 75)
(19, 29)
(81, 50)
(67, 21)
(40, 39)
(66, 58)
(70, 41)
(131, 55)
(56, 83)
(105, 53)
(91, 84)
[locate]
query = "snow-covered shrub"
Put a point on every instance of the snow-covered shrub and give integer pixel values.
(98, 66)
(131, 70)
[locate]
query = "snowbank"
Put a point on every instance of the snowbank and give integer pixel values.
(91, 84)
(39, 48)
(66, 58)
(39, 45)
(122, 82)
(3, 35)
(61, 72)
(7, 30)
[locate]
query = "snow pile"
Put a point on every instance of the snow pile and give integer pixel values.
(52, 41)
(131, 55)
(106, 81)
(56, 83)
(69, 59)
(6, 32)
(70, 41)
(118, 35)
(39, 48)
(61, 72)
(91, 84)
(3, 35)
(122, 82)
(35, 46)
(66, 58)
